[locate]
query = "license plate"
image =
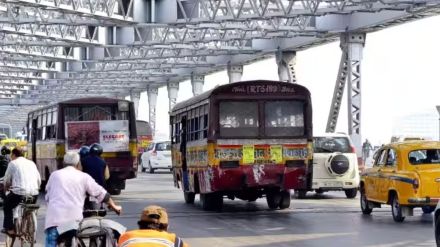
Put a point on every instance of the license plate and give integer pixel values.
(333, 184)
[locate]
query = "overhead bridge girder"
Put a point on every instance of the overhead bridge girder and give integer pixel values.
(98, 9)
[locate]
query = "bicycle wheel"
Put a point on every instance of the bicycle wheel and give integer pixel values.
(31, 228)
(10, 240)
(28, 228)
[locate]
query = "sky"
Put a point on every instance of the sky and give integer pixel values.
(400, 76)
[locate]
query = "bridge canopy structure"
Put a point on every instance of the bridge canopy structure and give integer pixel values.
(54, 50)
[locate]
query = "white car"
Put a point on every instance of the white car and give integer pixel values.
(157, 156)
(335, 165)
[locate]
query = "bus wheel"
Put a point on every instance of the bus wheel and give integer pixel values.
(273, 199)
(285, 199)
(211, 201)
(189, 197)
(300, 194)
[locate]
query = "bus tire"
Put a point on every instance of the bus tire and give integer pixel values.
(285, 199)
(189, 197)
(273, 199)
(218, 202)
(205, 201)
(211, 201)
(300, 194)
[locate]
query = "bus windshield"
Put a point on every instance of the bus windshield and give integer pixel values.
(284, 118)
(239, 119)
(242, 118)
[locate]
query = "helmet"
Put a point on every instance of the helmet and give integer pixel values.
(96, 149)
(84, 151)
(154, 214)
(5, 150)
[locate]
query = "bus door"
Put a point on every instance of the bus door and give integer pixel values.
(34, 140)
(183, 143)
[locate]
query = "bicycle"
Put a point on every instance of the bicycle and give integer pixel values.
(93, 231)
(25, 223)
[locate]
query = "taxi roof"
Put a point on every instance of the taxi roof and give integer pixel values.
(415, 144)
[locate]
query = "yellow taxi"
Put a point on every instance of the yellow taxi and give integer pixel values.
(404, 175)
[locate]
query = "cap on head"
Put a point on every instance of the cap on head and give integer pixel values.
(71, 158)
(154, 214)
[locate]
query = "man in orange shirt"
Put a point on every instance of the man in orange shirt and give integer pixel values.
(152, 232)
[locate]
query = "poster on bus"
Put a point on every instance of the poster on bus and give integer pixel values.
(112, 135)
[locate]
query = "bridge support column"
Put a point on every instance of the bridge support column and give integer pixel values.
(197, 82)
(173, 90)
(355, 46)
(352, 45)
(135, 97)
(152, 93)
(286, 61)
(234, 72)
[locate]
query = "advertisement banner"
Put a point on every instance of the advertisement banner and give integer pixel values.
(113, 135)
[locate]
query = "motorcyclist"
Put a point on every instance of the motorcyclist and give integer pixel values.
(84, 152)
(96, 167)
(4, 160)
(153, 231)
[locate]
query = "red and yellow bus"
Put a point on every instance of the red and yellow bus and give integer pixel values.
(144, 136)
(243, 140)
(71, 124)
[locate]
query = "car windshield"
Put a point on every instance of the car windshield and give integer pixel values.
(163, 146)
(424, 156)
(331, 144)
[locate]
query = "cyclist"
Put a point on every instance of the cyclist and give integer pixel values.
(66, 192)
(22, 179)
(152, 232)
(4, 160)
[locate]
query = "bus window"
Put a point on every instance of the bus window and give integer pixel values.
(238, 119)
(71, 114)
(96, 113)
(284, 118)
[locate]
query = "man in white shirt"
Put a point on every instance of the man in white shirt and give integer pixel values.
(23, 180)
(66, 192)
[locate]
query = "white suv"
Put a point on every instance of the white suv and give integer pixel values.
(335, 165)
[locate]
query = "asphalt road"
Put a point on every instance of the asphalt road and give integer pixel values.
(327, 220)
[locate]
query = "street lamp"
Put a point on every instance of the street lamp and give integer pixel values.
(438, 110)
